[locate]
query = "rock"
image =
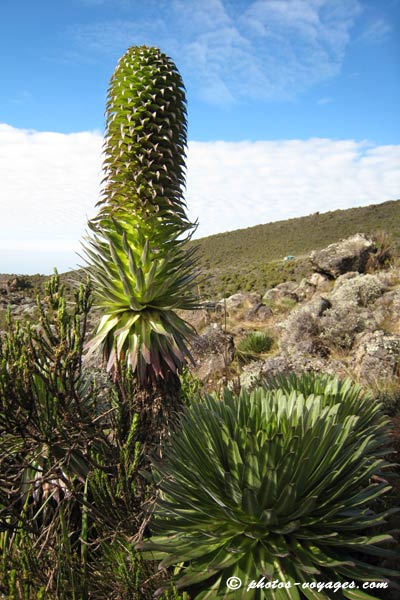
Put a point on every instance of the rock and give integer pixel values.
(361, 290)
(283, 290)
(301, 331)
(317, 280)
(212, 351)
(308, 286)
(259, 312)
(255, 373)
(348, 255)
(352, 310)
(377, 356)
(240, 300)
(390, 299)
(340, 325)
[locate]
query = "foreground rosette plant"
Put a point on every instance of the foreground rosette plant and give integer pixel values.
(273, 484)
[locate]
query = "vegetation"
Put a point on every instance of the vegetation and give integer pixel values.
(252, 259)
(275, 482)
(252, 344)
(286, 481)
(70, 491)
(138, 259)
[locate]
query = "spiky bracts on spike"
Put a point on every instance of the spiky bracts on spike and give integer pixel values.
(145, 143)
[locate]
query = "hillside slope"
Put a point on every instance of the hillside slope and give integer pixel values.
(252, 258)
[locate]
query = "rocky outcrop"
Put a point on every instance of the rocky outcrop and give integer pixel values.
(240, 300)
(283, 290)
(337, 325)
(212, 351)
(348, 255)
(301, 330)
(353, 288)
(377, 356)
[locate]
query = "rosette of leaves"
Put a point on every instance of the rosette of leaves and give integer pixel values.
(142, 274)
(275, 485)
(252, 345)
(350, 397)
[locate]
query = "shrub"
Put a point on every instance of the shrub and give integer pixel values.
(384, 253)
(252, 345)
(274, 483)
(70, 490)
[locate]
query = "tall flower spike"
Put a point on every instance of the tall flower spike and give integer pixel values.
(137, 254)
(145, 143)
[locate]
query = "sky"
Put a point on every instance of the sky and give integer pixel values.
(292, 109)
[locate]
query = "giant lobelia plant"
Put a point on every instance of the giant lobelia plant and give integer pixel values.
(275, 485)
(137, 254)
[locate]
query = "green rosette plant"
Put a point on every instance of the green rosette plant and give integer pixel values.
(276, 485)
(140, 281)
(252, 345)
(137, 253)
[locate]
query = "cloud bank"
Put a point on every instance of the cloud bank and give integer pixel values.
(51, 182)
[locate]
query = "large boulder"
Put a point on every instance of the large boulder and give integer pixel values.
(377, 356)
(355, 288)
(353, 309)
(281, 291)
(212, 351)
(347, 255)
(300, 332)
(240, 300)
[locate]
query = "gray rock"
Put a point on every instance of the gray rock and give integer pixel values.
(348, 255)
(377, 356)
(301, 331)
(259, 312)
(317, 280)
(340, 325)
(212, 351)
(240, 300)
(361, 290)
(255, 373)
(283, 290)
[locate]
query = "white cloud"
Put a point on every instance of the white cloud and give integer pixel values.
(236, 185)
(51, 181)
(48, 189)
(229, 51)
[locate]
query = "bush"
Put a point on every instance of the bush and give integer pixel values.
(276, 483)
(70, 454)
(252, 345)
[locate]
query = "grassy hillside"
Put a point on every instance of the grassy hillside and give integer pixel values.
(252, 258)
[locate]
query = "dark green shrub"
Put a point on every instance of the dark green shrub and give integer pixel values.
(273, 483)
(70, 454)
(252, 344)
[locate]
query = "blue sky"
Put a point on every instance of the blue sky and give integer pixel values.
(292, 108)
